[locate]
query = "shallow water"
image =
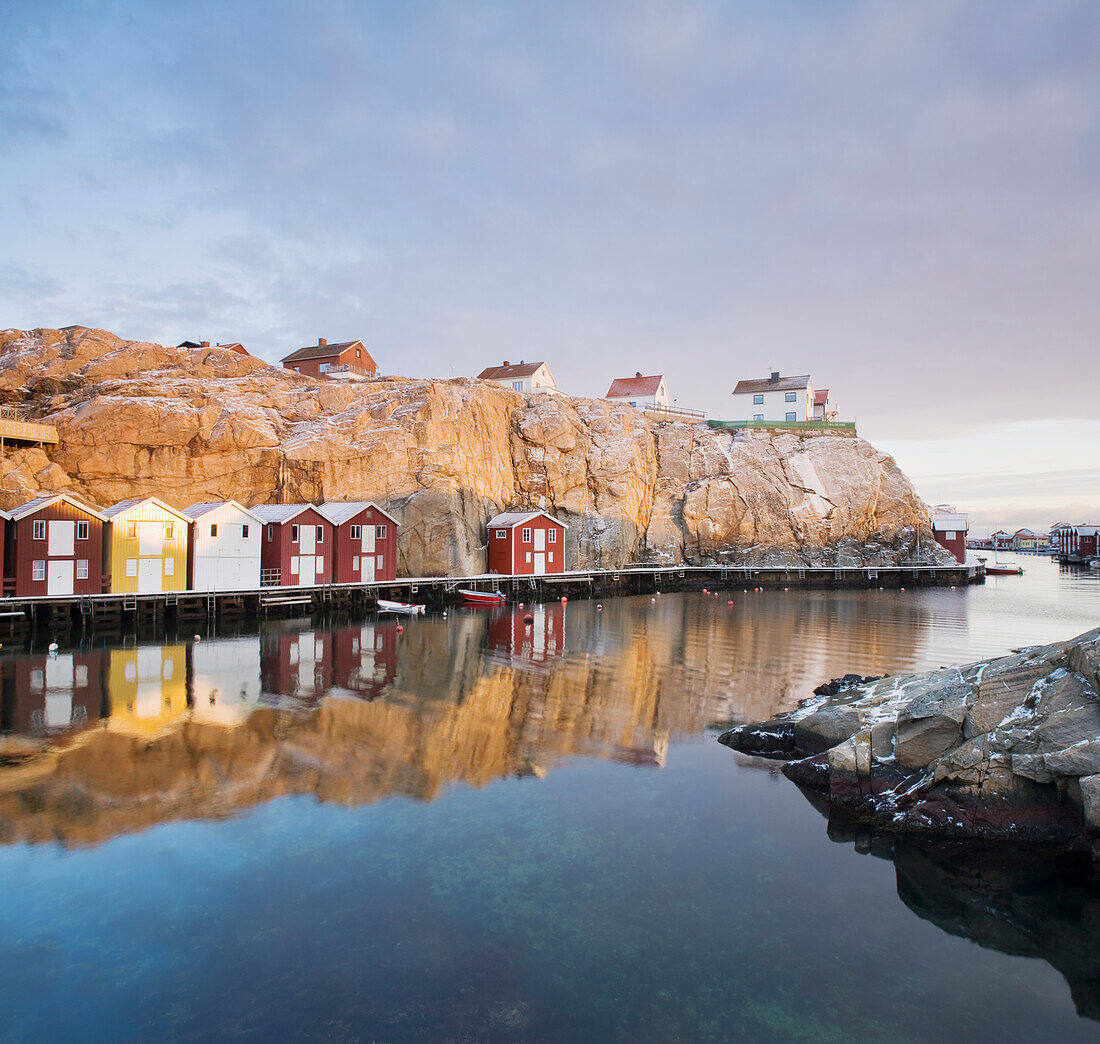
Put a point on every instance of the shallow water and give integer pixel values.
(483, 829)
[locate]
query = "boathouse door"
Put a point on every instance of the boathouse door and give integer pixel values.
(150, 571)
(367, 559)
(59, 576)
(540, 552)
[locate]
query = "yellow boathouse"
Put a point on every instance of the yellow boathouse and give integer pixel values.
(148, 547)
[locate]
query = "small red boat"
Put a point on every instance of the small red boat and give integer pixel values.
(1000, 570)
(471, 597)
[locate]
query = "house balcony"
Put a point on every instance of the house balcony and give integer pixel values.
(347, 370)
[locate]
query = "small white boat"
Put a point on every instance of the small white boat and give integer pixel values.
(472, 597)
(404, 608)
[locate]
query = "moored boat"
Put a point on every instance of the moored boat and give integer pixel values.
(404, 608)
(1004, 570)
(471, 597)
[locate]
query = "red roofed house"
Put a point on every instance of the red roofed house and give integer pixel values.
(640, 391)
(346, 359)
(234, 346)
(526, 543)
(774, 398)
(523, 376)
(824, 410)
(365, 547)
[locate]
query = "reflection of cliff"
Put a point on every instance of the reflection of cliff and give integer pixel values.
(356, 713)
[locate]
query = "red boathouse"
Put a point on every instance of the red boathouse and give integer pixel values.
(53, 545)
(296, 547)
(526, 543)
(365, 543)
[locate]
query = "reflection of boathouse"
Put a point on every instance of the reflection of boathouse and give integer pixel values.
(296, 664)
(225, 679)
(147, 686)
(364, 658)
(536, 642)
(53, 694)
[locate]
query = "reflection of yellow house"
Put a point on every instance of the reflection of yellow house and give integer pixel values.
(147, 687)
(148, 547)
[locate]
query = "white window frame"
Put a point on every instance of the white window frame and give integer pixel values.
(39, 529)
(82, 531)
(81, 569)
(380, 532)
(38, 569)
(758, 399)
(320, 534)
(356, 532)
(502, 534)
(525, 538)
(131, 567)
(294, 534)
(169, 566)
(551, 535)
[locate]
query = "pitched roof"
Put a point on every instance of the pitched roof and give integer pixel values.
(509, 370)
(325, 351)
(821, 397)
(38, 503)
(766, 384)
(196, 511)
(124, 505)
(279, 512)
(511, 519)
(625, 387)
(950, 520)
(339, 512)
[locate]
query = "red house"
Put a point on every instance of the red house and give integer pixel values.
(53, 545)
(346, 359)
(296, 547)
(526, 543)
(366, 542)
(950, 527)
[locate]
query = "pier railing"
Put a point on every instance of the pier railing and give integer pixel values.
(839, 427)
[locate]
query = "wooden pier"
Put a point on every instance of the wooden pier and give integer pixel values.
(125, 612)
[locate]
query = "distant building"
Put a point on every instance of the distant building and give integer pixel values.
(774, 398)
(950, 527)
(525, 377)
(1025, 540)
(526, 543)
(234, 346)
(343, 360)
(640, 391)
(1060, 538)
(1001, 541)
(824, 409)
(1076, 543)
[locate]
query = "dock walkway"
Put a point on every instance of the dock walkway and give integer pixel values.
(113, 612)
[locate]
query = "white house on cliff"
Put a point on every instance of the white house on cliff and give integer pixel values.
(525, 377)
(774, 398)
(642, 392)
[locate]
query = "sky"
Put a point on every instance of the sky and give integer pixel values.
(901, 199)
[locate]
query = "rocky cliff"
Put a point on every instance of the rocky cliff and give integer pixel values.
(444, 455)
(1004, 750)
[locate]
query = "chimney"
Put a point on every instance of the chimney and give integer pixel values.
(507, 363)
(206, 344)
(775, 376)
(637, 373)
(322, 341)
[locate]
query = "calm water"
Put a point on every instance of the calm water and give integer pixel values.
(482, 830)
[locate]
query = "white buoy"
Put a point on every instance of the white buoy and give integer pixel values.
(53, 647)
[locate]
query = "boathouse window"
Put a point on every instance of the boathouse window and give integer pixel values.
(39, 529)
(131, 530)
(949, 535)
(320, 534)
(82, 531)
(320, 569)
(38, 571)
(758, 416)
(526, 535)
(169, 567)
(758, 400)
(213, 529)
(552, 536)
(356, 532)
(294, 534)
(244, 532)
(167, 530)
(131, 567)
(355, 563)
(380, 532)
(82, 569)
(502, 534)
(791, 397)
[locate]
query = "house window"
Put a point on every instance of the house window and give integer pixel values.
(758, 416)
(320, 563)
(792, 416)
(244, 532)
(294, 534)
(294, 565)
(213, 529)
(82, 569)
(38, 570)
(791, 397)
(758, 400)
(949, 535)
(169, 566)
(358, 354)
(502, 534)
(518, 385)
(320, 534)
(324, 367)
(82, 531)
(131, 530)
(270, 533)
(168, 530)
(528, 557)
(355, 563)
(39, 529)
(295, 369)
(356, 532)
(552, 536)
(131, 567)
(380, 532)
(526, 538)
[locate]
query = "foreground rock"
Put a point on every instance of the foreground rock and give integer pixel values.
(1004, 750)
(189, 425)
